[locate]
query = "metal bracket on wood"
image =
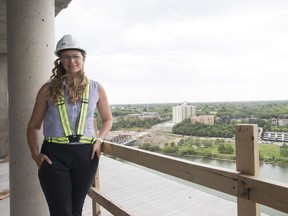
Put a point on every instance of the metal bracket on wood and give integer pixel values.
(245, 191)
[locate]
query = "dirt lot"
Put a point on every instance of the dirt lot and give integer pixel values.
(149, 136)
(160, 138)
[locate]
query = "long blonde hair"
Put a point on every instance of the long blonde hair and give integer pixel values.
(76, 83)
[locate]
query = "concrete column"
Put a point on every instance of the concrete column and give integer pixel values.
(30, 35)
(4, 132)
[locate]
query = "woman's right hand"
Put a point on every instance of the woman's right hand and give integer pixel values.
(40, 158)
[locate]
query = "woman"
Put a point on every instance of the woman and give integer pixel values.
(70, 151)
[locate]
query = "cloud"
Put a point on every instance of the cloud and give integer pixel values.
(184, 50)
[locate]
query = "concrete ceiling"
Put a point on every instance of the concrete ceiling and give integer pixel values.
(59, 5)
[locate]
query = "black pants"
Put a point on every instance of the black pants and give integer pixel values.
(66, 181)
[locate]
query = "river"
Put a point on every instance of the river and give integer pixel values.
(273, 172)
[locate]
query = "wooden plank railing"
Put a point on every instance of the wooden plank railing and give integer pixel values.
(245, 183)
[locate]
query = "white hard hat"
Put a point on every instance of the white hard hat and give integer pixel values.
(67, 42)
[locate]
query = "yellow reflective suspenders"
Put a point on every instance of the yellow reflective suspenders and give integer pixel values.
(83, 112)
(64, 116)
(69, 137)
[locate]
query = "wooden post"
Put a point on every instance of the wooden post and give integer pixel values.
(95, 206)
(247, 162)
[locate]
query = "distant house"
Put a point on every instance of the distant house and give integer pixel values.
(283, 122)
(149, 115)
(274, 121)
(224, 119)
(167, 126)
(132, 116)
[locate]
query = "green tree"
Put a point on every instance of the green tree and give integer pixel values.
(170, 148)
(149, 147)
(225, 148)
(284, 150)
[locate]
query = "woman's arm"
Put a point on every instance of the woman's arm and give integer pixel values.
(106, 118)
(34, 126)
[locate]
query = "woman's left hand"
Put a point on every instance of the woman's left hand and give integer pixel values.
(96, 149)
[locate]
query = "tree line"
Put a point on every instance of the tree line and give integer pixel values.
(186, 127)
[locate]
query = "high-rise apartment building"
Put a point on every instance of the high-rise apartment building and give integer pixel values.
(183, 111)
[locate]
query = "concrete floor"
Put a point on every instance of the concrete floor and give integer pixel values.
(144, 193)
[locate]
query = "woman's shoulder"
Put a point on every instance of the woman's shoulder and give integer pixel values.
(94, 84)
(45, 87)
(43, 91)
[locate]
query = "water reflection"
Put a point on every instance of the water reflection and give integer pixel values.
(273, 172)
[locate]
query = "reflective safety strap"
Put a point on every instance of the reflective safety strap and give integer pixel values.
(65, 140)
(64, 116)
(65, 119)
(83, 112)
(87, 140)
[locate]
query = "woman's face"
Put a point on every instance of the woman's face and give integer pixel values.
(72, 60)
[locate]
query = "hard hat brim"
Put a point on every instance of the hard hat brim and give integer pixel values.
(58, 52)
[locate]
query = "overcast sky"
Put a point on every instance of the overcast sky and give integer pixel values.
(170, 51)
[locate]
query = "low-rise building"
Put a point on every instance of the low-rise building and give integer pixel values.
(149, 115)
(204, 119)
(275, 136)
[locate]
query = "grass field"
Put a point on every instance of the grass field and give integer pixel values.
(269, 150)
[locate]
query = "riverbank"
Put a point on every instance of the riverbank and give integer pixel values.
(168, 143)
(275, 163)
